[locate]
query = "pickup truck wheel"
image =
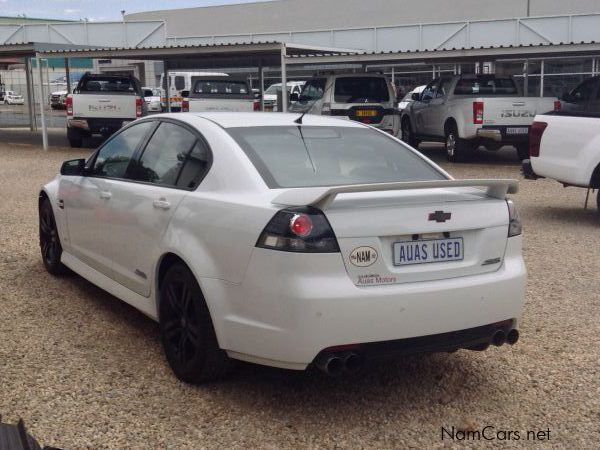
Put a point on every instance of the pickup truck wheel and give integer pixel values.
(407, 134)
(523, 151)
(75, 138)
(457, 149)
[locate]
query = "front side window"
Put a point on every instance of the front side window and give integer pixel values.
(306, 156)
(313, 89)
(179, 83)
(429, 91)
(114, 157)
(584, 91)
(361, 90)
(164, 155)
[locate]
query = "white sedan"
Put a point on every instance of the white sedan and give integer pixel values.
(12, 98)
(287, 242)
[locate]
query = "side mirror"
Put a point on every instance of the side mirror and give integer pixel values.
(73, 167)
(294, 97)
(416, 96)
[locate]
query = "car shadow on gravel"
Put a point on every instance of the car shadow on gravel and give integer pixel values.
(575, 215)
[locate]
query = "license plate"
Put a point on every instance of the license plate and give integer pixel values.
(517, 130)
(366, 113)
(428, 251)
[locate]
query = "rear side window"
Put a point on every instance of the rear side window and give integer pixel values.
(307, 156)
(195, 167)
(114, 157)
(313, 89)
(486, 85)
(164, 155)
(584, 91)
(107, 84)
(179, 83)
(220, 87)
(361, 90)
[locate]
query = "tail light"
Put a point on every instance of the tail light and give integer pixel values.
(69, 105)
(515, 227)
(185, 105)
(138, 107)
(557, 105)
(256, 105)
(301, 230)
(535, 138)
(478, 113)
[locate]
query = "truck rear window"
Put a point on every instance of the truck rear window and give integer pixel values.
(220, 87)
(108, 84)
(486, 85)
(361, 90)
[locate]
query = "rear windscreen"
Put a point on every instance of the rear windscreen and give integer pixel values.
(488, 86)
(108, 84)
(220, 87)
(304, 156)
(361, 90)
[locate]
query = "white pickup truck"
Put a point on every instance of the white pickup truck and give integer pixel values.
(566, 148)
(219, 93)
(102, 104)
(468, 111)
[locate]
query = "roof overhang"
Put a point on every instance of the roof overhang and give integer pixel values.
(31, 49)
(454, 55)
(204, 55)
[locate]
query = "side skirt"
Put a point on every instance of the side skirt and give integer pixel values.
(143, 304)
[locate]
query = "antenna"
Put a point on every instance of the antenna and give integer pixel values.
(299, 119)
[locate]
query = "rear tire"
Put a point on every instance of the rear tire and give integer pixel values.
(457, 149)
(50, 240)
(187, 331)
(523, 151)
(75, 138)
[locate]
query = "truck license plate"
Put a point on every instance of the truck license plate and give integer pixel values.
(366, 113)
(428, 251)
(517, 130)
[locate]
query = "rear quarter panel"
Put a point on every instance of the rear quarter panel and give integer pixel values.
(569, 150)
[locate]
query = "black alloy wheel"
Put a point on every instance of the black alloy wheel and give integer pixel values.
(187, 331)
(50, 240)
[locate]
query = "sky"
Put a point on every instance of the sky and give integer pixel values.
(97, 10)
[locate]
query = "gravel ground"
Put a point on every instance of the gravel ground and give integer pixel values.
(85, 370)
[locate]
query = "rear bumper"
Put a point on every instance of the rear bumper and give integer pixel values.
(291, 307)
(499, 135)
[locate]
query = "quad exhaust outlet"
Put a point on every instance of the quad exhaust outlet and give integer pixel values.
(334, 364)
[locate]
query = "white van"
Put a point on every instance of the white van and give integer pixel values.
(179, 82)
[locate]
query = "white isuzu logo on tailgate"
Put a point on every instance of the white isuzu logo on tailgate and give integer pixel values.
(363, 256)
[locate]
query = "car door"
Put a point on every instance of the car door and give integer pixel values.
(420, 108)
(167, 169)
(436, 113)
(86, 199)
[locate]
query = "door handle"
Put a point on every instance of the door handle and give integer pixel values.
(105, 195)
(161, 203)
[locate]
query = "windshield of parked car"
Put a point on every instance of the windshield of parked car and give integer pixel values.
(272, 90)
(108, 84)
(486, 85)
(221, 87)
(313, 90)
(361, 90)
(148, 93)
(304, 156)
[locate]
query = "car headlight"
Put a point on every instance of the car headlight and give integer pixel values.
(515, 227)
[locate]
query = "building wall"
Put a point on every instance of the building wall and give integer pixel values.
(295, 15)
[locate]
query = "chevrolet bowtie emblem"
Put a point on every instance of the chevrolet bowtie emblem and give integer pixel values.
(440, 216)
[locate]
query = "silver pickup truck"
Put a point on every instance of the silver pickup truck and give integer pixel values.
(468, 111)
(219, 93)
(102, 104)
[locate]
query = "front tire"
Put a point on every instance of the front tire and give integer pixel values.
(457, 149)
(50, 240)
(407, 135)
(187, 331)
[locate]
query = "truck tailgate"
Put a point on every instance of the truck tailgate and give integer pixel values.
(221, 104)
(107, 106)
(518, 111)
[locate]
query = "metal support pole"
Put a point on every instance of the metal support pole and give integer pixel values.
(284, 97)
(526, 78)
(167, 84)
(542, 78)
(261, 85)
(41, 102)
(30, 99)
(47, 93)
(68, 75)
(393, 77)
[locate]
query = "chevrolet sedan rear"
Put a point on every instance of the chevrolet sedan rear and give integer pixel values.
(288, 241)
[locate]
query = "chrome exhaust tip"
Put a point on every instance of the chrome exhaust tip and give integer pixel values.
(513, 337)
(499, 338)
(330, 364)
(353, 362)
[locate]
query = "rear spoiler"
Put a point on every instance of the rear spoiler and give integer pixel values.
(323, 197)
